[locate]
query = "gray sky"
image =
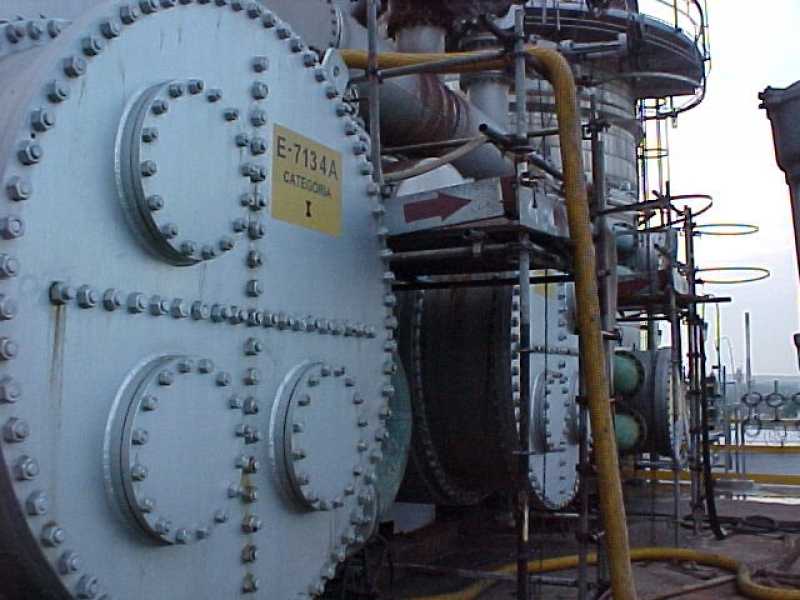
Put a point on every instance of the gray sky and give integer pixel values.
(724, 148)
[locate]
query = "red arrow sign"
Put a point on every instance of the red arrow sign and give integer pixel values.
(442, 206)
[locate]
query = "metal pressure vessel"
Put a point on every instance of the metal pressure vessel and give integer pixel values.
(195, 311)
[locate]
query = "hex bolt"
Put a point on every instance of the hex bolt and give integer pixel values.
(75, 66)
(223, 379)
(258, 118)
(283, 32)
(169, 231)
(331, 92)
(88, 587)
(156, 306)
(226, 243)
(254, 288)
(237, 5)
(155, 202)
(159, 106)
(176, 90)
(148, 6)
(139, 472)
(149, 168)
(12, 228)
(256, 230)
(149, 403)
(252, 436)
(110, 29)
(30, 153)
(220, 516)
(149, 134)
(61, 293)
(309, 58)
(259, 90)
(254, 10)
(249, 553)
(69, 562)
(250, 406)
(16, 430)
(9, 266)
(196, 86)
(261, 63)
(208, 252)
(205, 365)
(178, 309)
(37, 504)
(53, 535)
(296, 44)
(163, 527)
(35, 30)
(214, 95)
(258, 146)
(252, 377)
(53, 28)
(252, 347)
(57, 91)
(358, 399)
(139, 437)
(230, 114)
(166, 378)
(202, 533)
(251, 524)
(42, 120)
(8, 348)
(88, 297)
(251, 584)
(200, 311)
(242, 140)
(8, 308)
(10, 390)
(182, 536)
(136, 302)
(304, 400)
(254, 259)
(249, 494)
(188, 248)
(14, 32)
(92, 46)
(253, 465)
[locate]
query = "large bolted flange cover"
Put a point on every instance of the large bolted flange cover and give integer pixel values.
(191, 247)
(462, 349)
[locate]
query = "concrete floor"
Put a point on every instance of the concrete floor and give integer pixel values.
(481, 542)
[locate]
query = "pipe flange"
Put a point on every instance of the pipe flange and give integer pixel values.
(165, 480)
(321, 451)
(159, 178)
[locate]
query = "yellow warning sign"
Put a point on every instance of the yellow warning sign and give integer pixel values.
(306, 183)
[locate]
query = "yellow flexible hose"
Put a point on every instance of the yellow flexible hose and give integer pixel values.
(744, 582)
(557, 70)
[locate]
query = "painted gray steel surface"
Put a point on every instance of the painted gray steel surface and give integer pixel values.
(149, 380)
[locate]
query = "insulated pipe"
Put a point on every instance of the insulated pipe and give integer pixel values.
(421, 108)
(557, 70)
(744, 582)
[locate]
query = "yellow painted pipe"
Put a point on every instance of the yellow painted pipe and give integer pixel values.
(557, 70)
(744, 582)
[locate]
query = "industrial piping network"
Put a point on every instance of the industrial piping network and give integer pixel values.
(556, 69)
(99, 108)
